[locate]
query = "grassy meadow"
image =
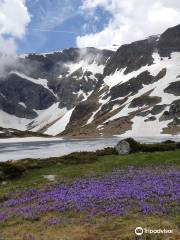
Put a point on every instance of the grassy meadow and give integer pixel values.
(73, 223)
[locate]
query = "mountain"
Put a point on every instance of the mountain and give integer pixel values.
(90, 92)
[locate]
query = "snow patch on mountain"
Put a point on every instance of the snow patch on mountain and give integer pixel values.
(47, 117)
(81, 93)
(11, 121)
(120, 77)
(22, 104)
(60, 125)
(140, 128)
(85, 66)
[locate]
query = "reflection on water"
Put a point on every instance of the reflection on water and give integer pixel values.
(44, 149)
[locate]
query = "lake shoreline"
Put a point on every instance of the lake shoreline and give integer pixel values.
(22, 148)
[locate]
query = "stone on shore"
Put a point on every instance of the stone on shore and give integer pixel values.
(123, 147)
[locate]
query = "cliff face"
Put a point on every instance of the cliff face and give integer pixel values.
(90, 92)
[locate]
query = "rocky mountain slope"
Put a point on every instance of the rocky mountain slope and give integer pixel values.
(89, 92)
(13, 133)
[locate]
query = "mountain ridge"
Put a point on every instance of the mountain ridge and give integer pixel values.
(97, 93)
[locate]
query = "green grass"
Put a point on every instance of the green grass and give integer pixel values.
(103, 164)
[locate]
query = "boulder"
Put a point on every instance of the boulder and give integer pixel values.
(123, 147)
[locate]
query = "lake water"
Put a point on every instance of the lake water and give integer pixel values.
(16, 149)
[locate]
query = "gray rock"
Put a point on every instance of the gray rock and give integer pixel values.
(16, 89)
(152, 118)
(173, 88)
(174, 123)
(157, 109)
(144, 100)
(132, 56)
(169, 41)
(123, 147)
(174, 112)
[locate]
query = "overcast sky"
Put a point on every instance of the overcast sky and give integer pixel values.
(49, 25)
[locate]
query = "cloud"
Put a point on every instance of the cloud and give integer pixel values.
(129, 20)
(14, 18)
(7, 54)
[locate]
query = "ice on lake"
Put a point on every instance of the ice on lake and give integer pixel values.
(21, 148)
